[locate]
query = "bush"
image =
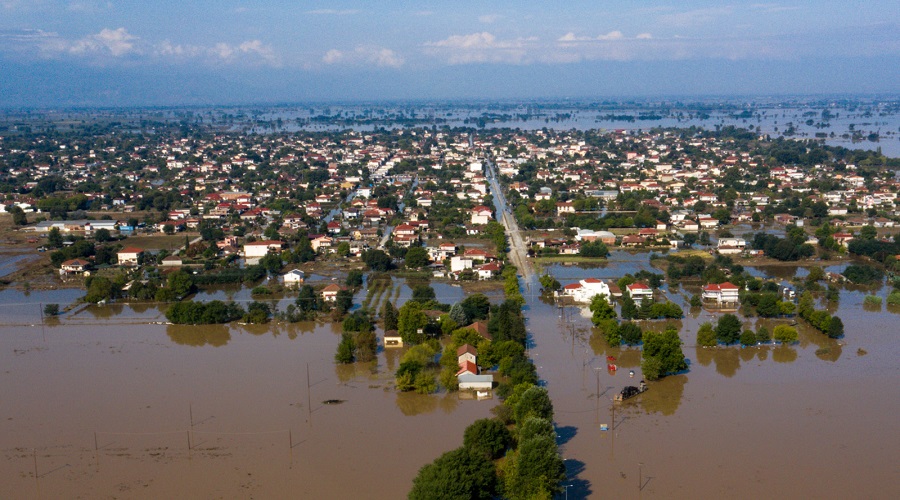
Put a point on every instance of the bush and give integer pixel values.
(785, 334)
(728, 329)
(894, 298)
(706, 335)
(748, 338)
(872, 300)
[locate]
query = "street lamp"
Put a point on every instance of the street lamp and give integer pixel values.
(567, 486)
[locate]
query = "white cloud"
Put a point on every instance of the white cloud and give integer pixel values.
(250, 51)
(481, 47)
(612, 35)
(364, 54)
(117, 42)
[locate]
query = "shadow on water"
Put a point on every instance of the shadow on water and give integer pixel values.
(575, 486)
(565, 433)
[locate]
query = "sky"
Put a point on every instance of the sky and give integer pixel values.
(165, 52)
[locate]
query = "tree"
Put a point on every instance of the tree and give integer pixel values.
(343, 249)
(99, 289)
(257, 313)
(18, 215)
(51, 310)
(416, 257)
(476, 306)
(784, 334)
(102, 235)
(344, 300)
(507, 323)
(762, 335)
(767, 307)
(748, 338)
(629, 308)
(536, 470)
(664, 351)
(458, 315)
(533, 427)
(389, 316)
(422, 294)
(54, 238)
(534, 402)
(345, 349)
(487, 436)
(706, 335)
(456, 475)
(410, 321)
(354, 278)
(835, 328)
(601, 309)
(549, 283)
(377, 260)
(630, 333)
(728, 329)
(306, 299)
(868, 233)
(180, 283)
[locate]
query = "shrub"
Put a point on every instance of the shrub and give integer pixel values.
(785, 334)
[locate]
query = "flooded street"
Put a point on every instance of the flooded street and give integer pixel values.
(814, 420)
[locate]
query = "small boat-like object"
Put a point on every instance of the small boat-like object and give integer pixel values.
(630, 391)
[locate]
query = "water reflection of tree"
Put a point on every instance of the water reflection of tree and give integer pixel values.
(728, 361)
(626, 357)
(784, 354)
(361, 372)
(199, 335)
(665, 395)
(106, 311)
(831, 353)
(762, 353)
(893, 308)
(747, 353)
(392, 358)
(449, 402)
(705, 355)
(416, 404)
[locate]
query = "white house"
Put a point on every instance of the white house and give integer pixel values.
(259, 249)
(458, 263)
(728, 246)
(722, 293)
(294, 277)
(481, 215)
(585, 290)
(640, 291)
(129, 256)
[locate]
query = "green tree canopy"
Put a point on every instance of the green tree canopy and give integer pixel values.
(461, 474)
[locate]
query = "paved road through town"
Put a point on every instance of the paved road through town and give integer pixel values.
(517, 251)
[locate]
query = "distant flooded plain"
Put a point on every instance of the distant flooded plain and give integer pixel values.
(107, 401)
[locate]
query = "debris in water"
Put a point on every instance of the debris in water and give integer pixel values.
(333, 401)
(861, 352)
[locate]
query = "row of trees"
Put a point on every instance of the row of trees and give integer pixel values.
(532, 467)
(830, 325)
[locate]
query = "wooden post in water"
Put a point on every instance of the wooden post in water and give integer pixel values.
(97, 451)
(308, 398)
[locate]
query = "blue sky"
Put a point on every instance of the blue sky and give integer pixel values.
(207, 52)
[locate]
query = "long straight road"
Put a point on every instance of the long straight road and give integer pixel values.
(517, 251)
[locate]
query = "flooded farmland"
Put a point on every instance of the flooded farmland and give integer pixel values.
(104, 403)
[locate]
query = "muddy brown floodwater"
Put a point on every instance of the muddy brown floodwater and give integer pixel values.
(114, 409)
(103, 403)
(814, 420)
